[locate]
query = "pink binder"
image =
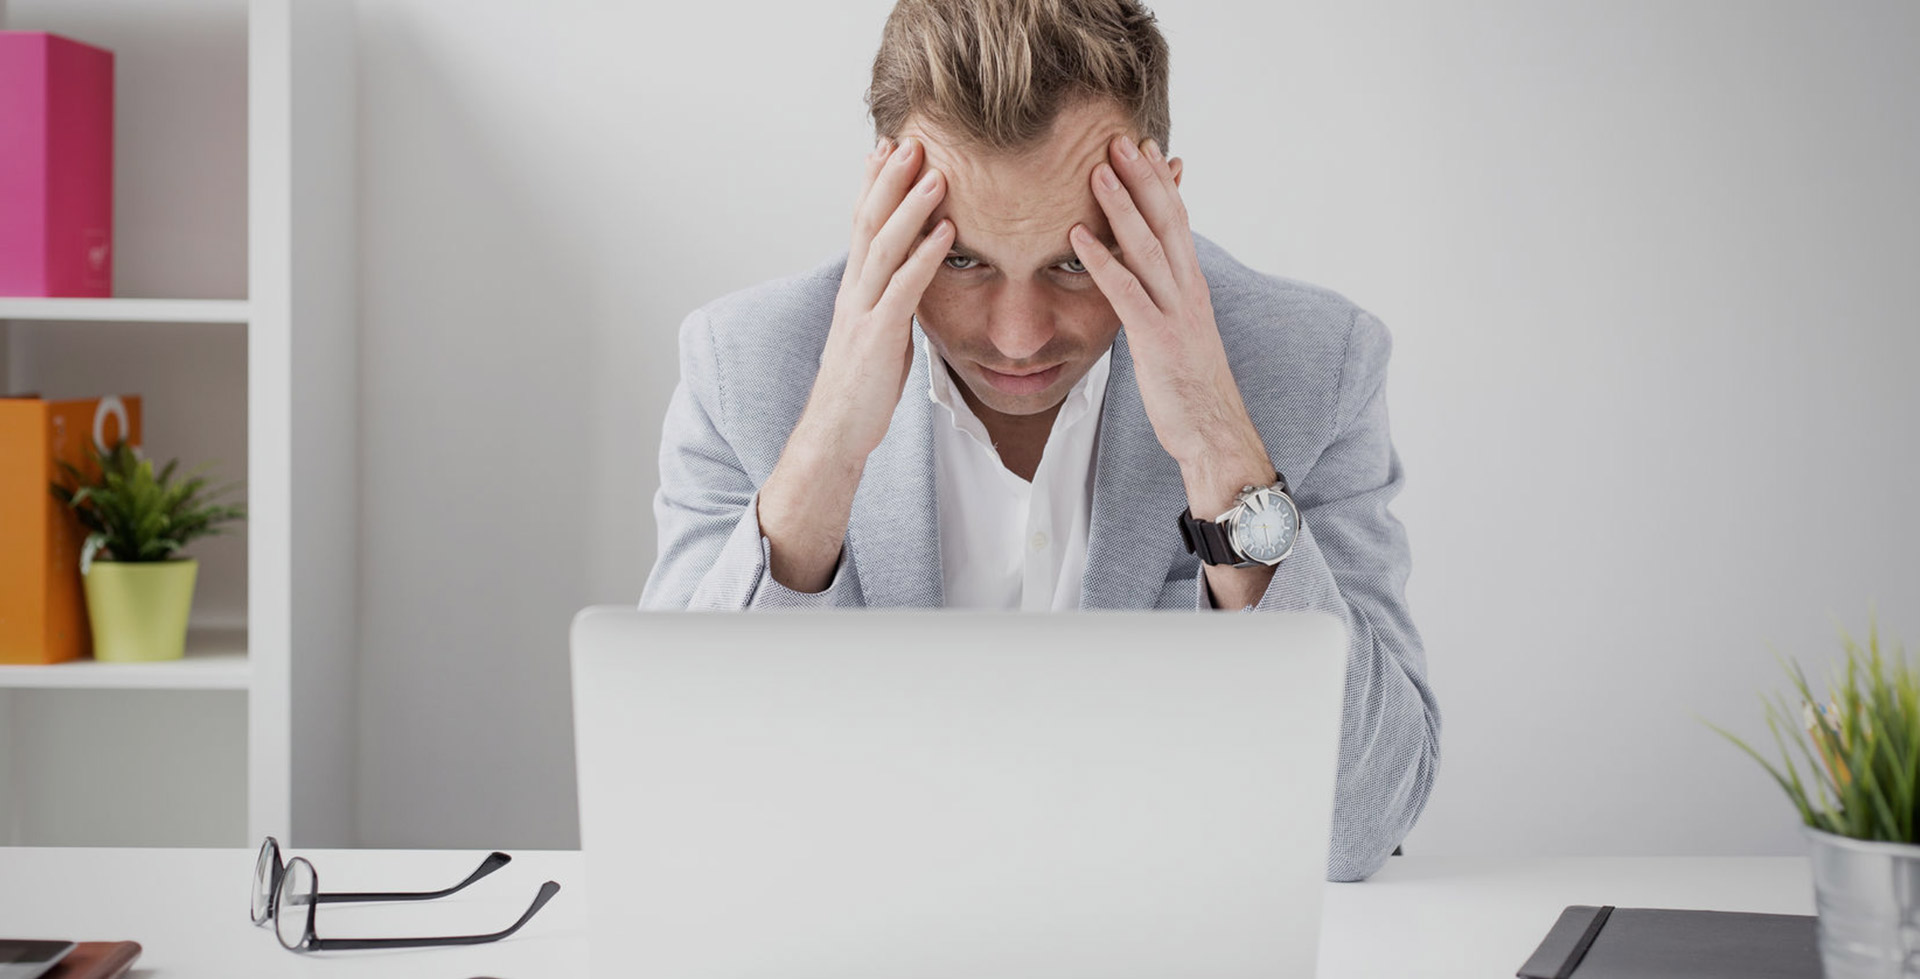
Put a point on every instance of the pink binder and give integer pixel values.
(56, 166)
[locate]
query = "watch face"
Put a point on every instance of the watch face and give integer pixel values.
(1264, 531)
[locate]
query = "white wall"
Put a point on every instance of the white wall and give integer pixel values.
(1647, 266)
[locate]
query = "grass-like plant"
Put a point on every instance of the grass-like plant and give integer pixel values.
(135, 515)
(1863, 746)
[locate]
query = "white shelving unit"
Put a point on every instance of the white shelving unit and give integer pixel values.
(216, 660)
(291, 658)
(127, 310)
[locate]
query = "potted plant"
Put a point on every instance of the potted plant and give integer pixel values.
(1857, 807)
(139, 594)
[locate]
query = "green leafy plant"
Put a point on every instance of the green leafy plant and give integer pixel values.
(1863, 746)
(135, 515)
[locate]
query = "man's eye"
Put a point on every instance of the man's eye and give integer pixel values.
(1072, 266)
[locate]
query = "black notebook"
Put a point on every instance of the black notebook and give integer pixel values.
(1662, 943)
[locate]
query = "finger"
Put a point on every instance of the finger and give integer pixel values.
(1145, 256)
(1123, 291)
(890, 246)
(876, 158)
(1150, 182)
(875, 164)
(1151, 185)
(903, 293)
(889, 186)
(1177, 235)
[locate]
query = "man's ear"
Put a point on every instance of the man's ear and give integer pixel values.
(1175, 164)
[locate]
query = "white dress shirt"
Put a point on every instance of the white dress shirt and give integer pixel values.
(1006, 543)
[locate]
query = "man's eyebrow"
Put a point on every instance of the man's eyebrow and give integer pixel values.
(1067, 256)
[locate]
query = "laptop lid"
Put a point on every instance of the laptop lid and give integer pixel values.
(938, 793)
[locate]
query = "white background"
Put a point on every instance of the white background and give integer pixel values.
(1649, 270)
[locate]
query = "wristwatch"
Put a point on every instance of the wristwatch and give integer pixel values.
(1259, 528)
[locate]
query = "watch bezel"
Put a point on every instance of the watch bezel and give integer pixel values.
(1233, 521)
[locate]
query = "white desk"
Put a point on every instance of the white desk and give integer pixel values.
(1435, 917)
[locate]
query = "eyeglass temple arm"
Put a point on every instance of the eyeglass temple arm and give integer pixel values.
(547, 891)
(493, 862)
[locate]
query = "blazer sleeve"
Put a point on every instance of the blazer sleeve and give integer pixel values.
(711, 552)
(1352, 560)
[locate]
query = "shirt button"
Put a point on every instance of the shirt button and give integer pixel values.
(1040, 540)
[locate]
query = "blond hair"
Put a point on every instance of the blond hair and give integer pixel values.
(994, 74)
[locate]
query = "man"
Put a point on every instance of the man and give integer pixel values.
(1029, 384)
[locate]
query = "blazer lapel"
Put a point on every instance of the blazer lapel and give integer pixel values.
(894, 529)
(1137, 493)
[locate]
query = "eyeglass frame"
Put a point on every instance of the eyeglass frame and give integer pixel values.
(311, 942)
(270, 847)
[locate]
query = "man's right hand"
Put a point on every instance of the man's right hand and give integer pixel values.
(869, 349)
(807, 500)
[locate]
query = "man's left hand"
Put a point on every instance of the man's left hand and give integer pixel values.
(1186, 386)
(1157, 289)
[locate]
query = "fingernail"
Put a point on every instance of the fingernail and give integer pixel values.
(1153, 150)
(1106, 177)
(1127, 150)
(926, 182)
(879, 147)
(903, 150)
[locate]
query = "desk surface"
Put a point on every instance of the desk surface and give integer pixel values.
(1419, 916)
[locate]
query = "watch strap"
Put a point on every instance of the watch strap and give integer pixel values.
(1207, 539)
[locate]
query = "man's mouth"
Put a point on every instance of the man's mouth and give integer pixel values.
(1027, 383)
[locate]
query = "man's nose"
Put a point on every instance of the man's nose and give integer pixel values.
(1019, 323)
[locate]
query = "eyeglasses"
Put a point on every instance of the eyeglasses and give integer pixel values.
(287, 894)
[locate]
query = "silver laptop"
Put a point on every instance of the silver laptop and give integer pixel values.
(937, 793)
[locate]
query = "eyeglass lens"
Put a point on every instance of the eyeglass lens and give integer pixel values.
(293, 919)
(266, 872)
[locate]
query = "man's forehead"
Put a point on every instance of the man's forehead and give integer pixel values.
(1034, 195)
(1078, 134)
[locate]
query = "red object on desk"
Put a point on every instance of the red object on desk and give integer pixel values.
(96, 960)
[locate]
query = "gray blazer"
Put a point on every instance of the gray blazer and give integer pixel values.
(1312, 370)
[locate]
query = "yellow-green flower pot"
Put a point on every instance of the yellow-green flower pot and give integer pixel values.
(138, 609)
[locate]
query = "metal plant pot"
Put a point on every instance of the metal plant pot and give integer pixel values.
(1868, 896)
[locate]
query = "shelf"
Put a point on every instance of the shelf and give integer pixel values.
(126, 310)
(216, 660)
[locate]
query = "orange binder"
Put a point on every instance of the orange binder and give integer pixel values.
(43, 611)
